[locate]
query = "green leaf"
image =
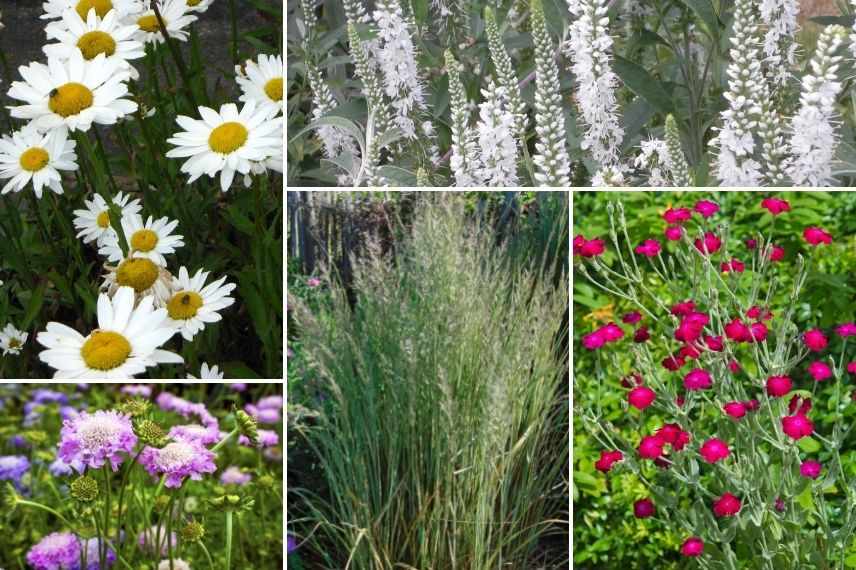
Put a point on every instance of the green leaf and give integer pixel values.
(846, 21)
(806, 499)
(809, 445)
(850, 561)
(238, 369)
(705, 11)
(34, 306)
(643, 84)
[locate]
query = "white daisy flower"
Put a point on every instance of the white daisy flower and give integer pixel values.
(262, 82)
(206, 373)
(226, 142)
(29, 156)
(126, 342)
(12, 340)
(74, 93)
(199, 5)
(56, 8)
(192, 303)
(94, 221)
(150, 240)
(142, 275)
(92, 36)
(175, 15)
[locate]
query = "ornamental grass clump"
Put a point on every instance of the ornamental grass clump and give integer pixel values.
(719, 424)
(441, 435)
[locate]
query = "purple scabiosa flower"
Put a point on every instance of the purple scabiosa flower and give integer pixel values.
(238, 387)
(267, 438)
(59, 468)
(178, 460)
(234, 476)
(56, 551)
(92, 555)
(263, 415)
(195, 432)
(92, 439)
(18, 442)
(13, 468)
(68, 413)
(292, 544)
(270, 403)
(137, 390)
(146, 541)
(172, 403)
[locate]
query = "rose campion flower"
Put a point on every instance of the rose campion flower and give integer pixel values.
(797, 426)
(775, 205)
(677, 215)
(683, 308)
(714, 450)
(641, 334)
(726, 506)
(632, 318)
(751, 243)
(799, 405)
(706, 208)
(690, 351)
(757, 332)
(651, 447)
(777, 253)
(672, 434)
(692, 547)
(810, 469)
(734, 366)
(735, 265)
(714, 343)
(816, 236)
(673, 362)
(709, 244)
(648, 248)
(845, 330)
(820, 371)
(673, 233)
(588, 247)
(607, 460)
(697, 379)
(611, 332)
(752, 405)
(759, 314)
(91, 440)
(735, 409)
(644, 508)
(313, 282)
(594, 340)
(815, 340)
(778, 386)
(641, 397)
(851, 367)
(737, 331)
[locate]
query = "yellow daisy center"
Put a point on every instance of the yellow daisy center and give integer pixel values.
(149, 23)
(103, 220)
(184, 305)
(34, 159)
(105, 350)
(137, 272)
(14, 343)
(273, 89)
(228, 137)
(192, 3)
(101, 7)
(144, 240)
(94, 43)
(70, 99)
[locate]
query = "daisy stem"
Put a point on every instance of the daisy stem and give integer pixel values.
(176, 56)
(104, 159)
(228, 539)
(233, 15)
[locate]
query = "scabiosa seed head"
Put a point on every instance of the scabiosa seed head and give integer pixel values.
(134, 407)
(193, 531)
(726, 506)
(810, 469)
(90, 440)
(641, 397)
(692, 547)
(644, 508)
(84, 489)
(150, 433)
(714, 450)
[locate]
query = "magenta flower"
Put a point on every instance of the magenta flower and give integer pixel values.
(714, 450)
(56, 551)
(816, 236)
(683, 308)
(797, 426)
(735, 409)
(706, 208)
(726, 506)
(607, 460)
(673, 233)
(714, 343)
(611, 332)
(677, 215)
(89, 440)
(709, 244)
(775, 205)
(594, 340)
(313, 282)
(644, 508)
(588, 248)
(692, 547)
(777, 253)
(178, 460)
(757, 313)
(851, 367)
(778, 386)
(632, 318)
(697, 379)
(651, 447)
(735, 265)
(810, 469)
(648, 248)
(641, 397)
(820, 370)
(751, 243)
(757, 332)
(845, 330)
(815, 340)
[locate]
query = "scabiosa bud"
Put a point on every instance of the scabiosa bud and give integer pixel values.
(797, 426)
(607, 460)
(775, 205)
(697, 379)
(815, 340)
(820, 371)
(845, 330)
(726, 506)
(84, 489)
(677, 215)
(735, 409)
(150, 433)
(588, 247)
(135, 407)
(714, 450)
(644, 508)
(641, 334)
(692, 547)
(673, 233)
(810, 469)
(247, 426)
(778, 386)
(709, 244)
(651, 447)
(648, 248)
(632, 318)
(706, 208)
(641, 397)
(192, 532)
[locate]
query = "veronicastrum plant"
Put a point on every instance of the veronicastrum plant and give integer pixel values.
(720, 383)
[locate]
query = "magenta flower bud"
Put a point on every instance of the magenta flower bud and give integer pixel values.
(810, 469)
(644, 508)
(692, 547)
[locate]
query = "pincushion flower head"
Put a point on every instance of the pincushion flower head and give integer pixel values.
(13, 468)
(726, 506)
(177, 460)
(126, 342)
(32, 157)
(74, 93)
(56, 8)
(692, 547)
(150, 240)
(56, 551)
(233, 475)
(228, 141)
(714, 450)
(92, 35)
(91, 440)
(810, 469)
(206, 435)
(192, 304)
(261, 82)
(816, 236)
(175, 15)
(12, 340)
(93, 223)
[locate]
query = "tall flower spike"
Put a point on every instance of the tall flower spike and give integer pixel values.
(497, 144)
(552, 165)
(853, 31)
(505, 75)
(463, 160)
(813, 138)
(371, 83)
(735, 163)
(676, 163)
(589, 46)
(335, 140)
(771, 130)
(780, 20)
